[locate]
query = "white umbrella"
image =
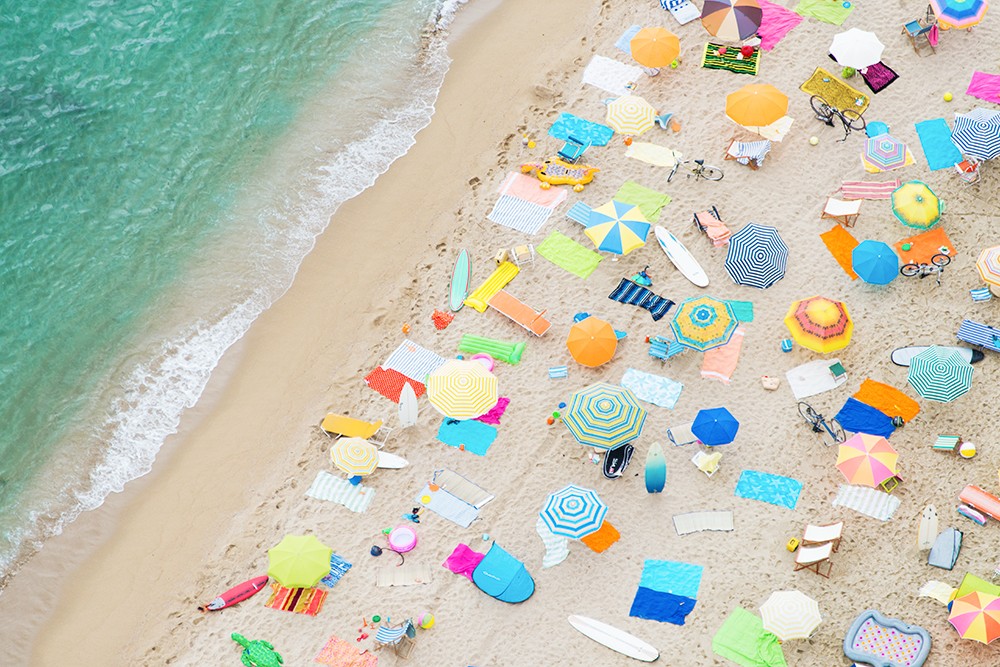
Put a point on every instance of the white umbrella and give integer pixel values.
(790, 615)
(856, 48)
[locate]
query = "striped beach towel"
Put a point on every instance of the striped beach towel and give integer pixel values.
(629, 293)
(558, 372)
(579, 212)
(338, 568)
(556, 546)
(336, 490)
(868, 189)
(524, 216)
(694, 522)
(979, 334)
(308, 601)
(413, 361)
(870, 502)
(981, 294)
(731, 60)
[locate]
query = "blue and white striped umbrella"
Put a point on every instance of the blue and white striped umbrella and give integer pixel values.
(977, 133)
(604, 416)
(940, 374)
(574, 512)
(757, 256)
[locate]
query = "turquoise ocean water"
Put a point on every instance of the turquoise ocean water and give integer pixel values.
(164, 168)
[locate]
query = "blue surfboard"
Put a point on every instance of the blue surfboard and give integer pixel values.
(656, 469)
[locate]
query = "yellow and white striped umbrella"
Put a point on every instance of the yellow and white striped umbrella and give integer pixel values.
(355, 456)
(988, 265)
(631, 115)
(462, 389)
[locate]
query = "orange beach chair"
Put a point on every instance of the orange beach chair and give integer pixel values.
(711, 223)
(506, 304)
(350, 427)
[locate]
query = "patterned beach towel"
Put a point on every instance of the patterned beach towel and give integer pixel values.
(340, 653)
(834, 91)
(841, 245)
(631, 294)
(338, 568)
(655, 389)
(731, 61)
(556, 546)
(413, 361)
(776, 22)
(567, 124)
(610, 75)
(768, 488)
(336, 490)
(567, 254)
(720, 363)
(985, 87)
(390, 383)
(308, 601)
(870, 502)
(935, 140)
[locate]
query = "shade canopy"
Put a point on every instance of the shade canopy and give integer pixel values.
(573, 512)
(592, 342)
(462, 389)
(885, 153)
(790, 615)
(355, 456)
(867, 459)
(298, 561)
(715, 426)
(988, 265)
(617, 227)
(875, 262)
(604, 416)
(655, 47)
(856, 48)
(977, 133)
(756, 105)
(915, 205)
(757, 256)
(959, 13)
(703, 322)
(820, 324)
(731, 20)
(940, 374)
(976, 616)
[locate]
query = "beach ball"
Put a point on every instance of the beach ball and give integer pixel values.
(967, 450)
(426, 621)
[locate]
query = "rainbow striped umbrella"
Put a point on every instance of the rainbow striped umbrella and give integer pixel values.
(988, 265)
(867, 459)
(573, 512)
(820, 324)
(604, 416)
(976, 616)
(617, 227)
(885, 153)
(462, 389)
(940, 374)
(731, 20)
(959, 13)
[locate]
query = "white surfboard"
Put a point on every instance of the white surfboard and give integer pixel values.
(614, 639)
(928, 530)
(679, 255)
(407, 406)
(387, 460)
(902, 356)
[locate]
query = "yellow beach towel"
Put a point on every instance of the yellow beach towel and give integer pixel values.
(835, 92)
(661, 156)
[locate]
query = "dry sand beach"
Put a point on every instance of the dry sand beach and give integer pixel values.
(232, 483)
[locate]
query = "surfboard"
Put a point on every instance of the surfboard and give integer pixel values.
(236, 594)
(387, 460)
(407, 406)
(928, 530)
(614, 639)
(460, 280)
(902, 356)
(656, 469)
(679, 255)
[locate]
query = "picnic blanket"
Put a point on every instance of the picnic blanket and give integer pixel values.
(649, 201)
(776, 22)
(338, 568)
(567, 124)
(340, 653)
(308, 601)
(631, 294)
(743, 639)
(925, 245)
(878, 77)
(731, 60)
(828, 11)
(556, 546)
(870, 502)
(659, 156)
(569, 255)
(935, 140)
(768, 488)
(695, 522)
(841, 245)
(447, 506)
(834, 91)
(610, 75)
(468, 434)
(860, 417)
(655, 389)
(720, 363)
(887, 399)
(813, 377)
(869, 189)
(463, 560)
(667, 591)
(413, 361)
(335, 489)
(985, 86)
(461, 488)
(389, 383)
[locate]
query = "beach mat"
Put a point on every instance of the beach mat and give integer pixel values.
(869, 189)
(390, 383)
(984, 86)
(743, 639)
(308, 601)
(711, 59)
(870, 502)
(887, 400)
(340, 653)
(567, 125)
(925, 245)
(338, 568)
(828, 11)
(776, 22)
(334, 489)
(720, 363)
(813, 377)
(610, 75)
(935, 140)
(841, 244)
(407, 574)
(461, 488)
(768, 488)
(834, 91)
(568, 255)
(878, 77)
(695, 522)
(556, 546)
(655, 389)
(667, 591)
(413, 361)
(468, 434)
(447, 506)
(601, 539)
(742, 309)
(649, 201)
(859, 417)
(659, 156)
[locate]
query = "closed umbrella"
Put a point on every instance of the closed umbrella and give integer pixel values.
(574, 512)
(790, 615)
(655, 47)
(885, 153)
(940, 374)
(702, 323)
(988, 265)
(298, 561)
(915, 205)
(976, 616)
(875, 262)
(592, 342)
(715, 426)
(617, 227)
(856, 48)
(355, 456)
(604, 416)
(756, 105)
(731, 20)
(820, 324)
(757, 256)
(977, 133)
(867, 459)
(462, 389)
(959, 13)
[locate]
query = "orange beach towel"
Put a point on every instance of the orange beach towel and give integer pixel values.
(719, 363)
(887, 399)
(924, 246)
(603, 538)
(841, 244)
(306, 601)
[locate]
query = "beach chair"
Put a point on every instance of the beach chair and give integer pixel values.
(523, 255)
(401, 638)
(968, 171)
(664, 348)
(349, 427)
(982, 335)
(573, 149)
(919, 33)
(681, 434)
(707, 463)
(947, 443)
(749, 153)
(816, 559)
(711, 223)
(981, 294)
(511, 307)
(814, 536)
(845, 212)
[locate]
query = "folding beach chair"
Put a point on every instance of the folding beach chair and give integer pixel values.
(681, 434)
(968, 171)
(402, 638)
(711, 223)
(510, 306)
(523, 255)
(844, 212)
(816, 559)
(948, 443)
(749, 153)
(707, 463)
(573, 149)
(664, 348)
(979, 334)
(814, 536)
(919, 33)
(981, 294)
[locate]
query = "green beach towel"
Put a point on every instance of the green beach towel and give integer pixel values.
(743, 640)
(742, 309)
(650, 202)
(731, 61)
(567, 254)
(827, 11)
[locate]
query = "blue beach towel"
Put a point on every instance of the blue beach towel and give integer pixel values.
(624, 43)
(338, 568)
(859, 417)
(768, 488)
(631, 294)
(475, 435)
(742, 309)
(935, 140)
(663, 607)
(655, 389)
(667, 592)
(567, 124)
(579, 212)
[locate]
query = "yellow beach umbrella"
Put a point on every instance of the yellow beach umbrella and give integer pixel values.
(820, 324)
(299, 561)
(655, 47)
(915, 205)
(756, 105)
(631, 115)
(462, 389)
(355, 456)
(617, 227)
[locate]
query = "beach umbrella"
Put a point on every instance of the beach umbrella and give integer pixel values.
(355, 456)
(655, 47)
(462, 389)
(298, 561)
(592, 342)
(856, 48)
(731, 20)
(573, 512)
(976, 616)
(867, 459)
(875, 262)
(820, 324)
(617, 227)
(756, 257)
(715, 426)
(959, 13)
(940, 374)
(977, 133)
(915, 205)
(756, 105)
(885, 153)
(988, 265)
(790, 615)
(703, 323)
(604, 416)
(631, 115)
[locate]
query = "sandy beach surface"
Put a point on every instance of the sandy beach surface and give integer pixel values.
(121, 586)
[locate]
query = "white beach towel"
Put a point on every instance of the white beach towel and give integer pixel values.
(524, 216)
(813, 378)
(660, 156)
(610, 75)
(413, 361)
(655, 389)
(337, 490)
(407, 574)
(462, 488)
(694, 522)
(870, 502)
(556, 546)
(937, 590)
(447, 505)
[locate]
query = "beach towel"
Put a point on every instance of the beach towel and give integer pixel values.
(937, 590)
(649, 201)
(413, 361)
(768, 488)
(569, 255)
(556, 546)
(720, 363)
(496, 412)
(860, 417)
(731, 61)
(667, 591)
(828, 11)
(841, 245)
(869, 189)
(651, 388)
(834, 91)
(935, 140)
(864, 500)
(468, 434)
(742, 309)
(610, 75)
(695, 522)
(813, 377)
(340, 653)
(463, 561)
(925, 245)
(567, 125)
(878, 77)
(335, 489)
(624, 43)
(653, 154)
(682, 10)
(631, 294)
(602, 538)
(776, 22)
(985, 87)
(743, 639)
(579, 212)
(407, 574)
(524, 216)
(462, 488)
(338, 568)
(447, 506)
(390, 383)
(526, 187)
(308, 601)
(887, 400)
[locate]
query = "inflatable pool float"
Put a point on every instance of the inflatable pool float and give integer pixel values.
(554, 171)
(886, 642)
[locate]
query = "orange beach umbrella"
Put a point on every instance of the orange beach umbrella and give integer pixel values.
(756, 105)
(655, 47)
(592, 342)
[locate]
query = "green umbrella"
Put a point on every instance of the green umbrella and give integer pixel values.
(940, 374)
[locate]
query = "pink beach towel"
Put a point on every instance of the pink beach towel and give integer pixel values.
(985, 87)
(496, 412)
(340, 653)
(869, 190)
(720, 363)
(526, 188)
(463, 561)
(775, 23)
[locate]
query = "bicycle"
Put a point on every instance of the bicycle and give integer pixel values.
(849, 118)
(699, 170)
(831, 431)
(935, 268)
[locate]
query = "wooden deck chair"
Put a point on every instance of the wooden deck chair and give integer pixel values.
(749, 153)
(845, 212)
(707, 463)
(816, 559)
(400, 637)
(711, 223)
(814, 536)
(349, 427)
(510, 306)
(948, 443)
(919, 34)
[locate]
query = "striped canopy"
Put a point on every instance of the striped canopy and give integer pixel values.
(875, 262)
(298, 561)
(790, 615)
(856, 48)
(940, 374)
(573, 512)
(757, 256)
(988, 265)
(731, 20)
(885, 153)
(604, 416)
(703, 323)
(617, 227)
(915, 205)
(867, 460)
(820, 324)
(654, 47)
(355, 456)
(959, 13)
(977, 133)
(976, 616)
(462, 389)
(631, 115)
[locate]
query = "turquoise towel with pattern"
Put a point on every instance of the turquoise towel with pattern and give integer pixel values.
(935, 140)
(768, 488)
(567, 124)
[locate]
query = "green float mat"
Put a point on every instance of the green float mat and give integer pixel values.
(711, 59)
(828, 11)
(567, 254)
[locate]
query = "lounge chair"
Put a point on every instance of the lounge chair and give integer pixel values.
(711, 223)
(749, 153)
(573, 149)
(816, 559)
(402, 638)
(349, 427)
(979, 334)
(510, 306)
(524, 255)
(919, 33)
(845, 212)
(814, 536)
(682, 10)
(707, 463)
(948, 443)
(682, 434)
(664, 348)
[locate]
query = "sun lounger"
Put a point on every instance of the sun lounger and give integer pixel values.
(510, 306)
(979, 334)
(874, 639)
(682, 434)
(682, 10)
(707, 463)
(816, 559)
(817, 535)
(711, 223)
(947, 443)
(349, 427)
(749, 153)
(986, 503)
(844, 212)
(402, 638)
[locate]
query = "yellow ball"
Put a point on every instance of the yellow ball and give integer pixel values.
(948, 97)
(531, 144)
(813, 141)
(427, 621)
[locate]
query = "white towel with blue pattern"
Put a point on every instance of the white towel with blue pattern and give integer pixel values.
(655, 389)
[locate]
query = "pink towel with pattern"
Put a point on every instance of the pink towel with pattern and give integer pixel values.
(985, 87)
(720, 363)
(776, 22)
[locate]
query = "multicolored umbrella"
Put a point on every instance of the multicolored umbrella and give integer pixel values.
(298, 561)
(355, 456)
(617, 227)
(462, 389)
(977, 133)
(756, 105)
(655, 47)
(731, 20)
(875, 262)
(885, 153)
(820, 324)
(915, 205)
(757, 256)
(959, 13)
(790, 615)
(715, 426)
(703, 323)
(988, 265)
(604, 416)
(976, 616)
(940, 374)
(573, 512)
(856, 48)
(867, 459)
(592, 342)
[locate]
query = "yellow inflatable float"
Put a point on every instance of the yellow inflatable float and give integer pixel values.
(554, 171)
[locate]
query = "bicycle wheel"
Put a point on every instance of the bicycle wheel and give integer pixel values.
(940, 259)
(808, 413)
(822, 110)
(909, 270)
(853, 119)
(835, 431)
(710, 173)
(673, 171)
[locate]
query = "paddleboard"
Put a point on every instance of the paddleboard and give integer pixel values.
(616, 460)
(928, 530)
(407, 406)
(679, 255)
(656, 469)
(387, 460)
(902, 356)
(236, 594)
(460, 279)
(614, 639)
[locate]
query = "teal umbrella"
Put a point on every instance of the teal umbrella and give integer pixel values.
(875, 262)
(940, 374)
